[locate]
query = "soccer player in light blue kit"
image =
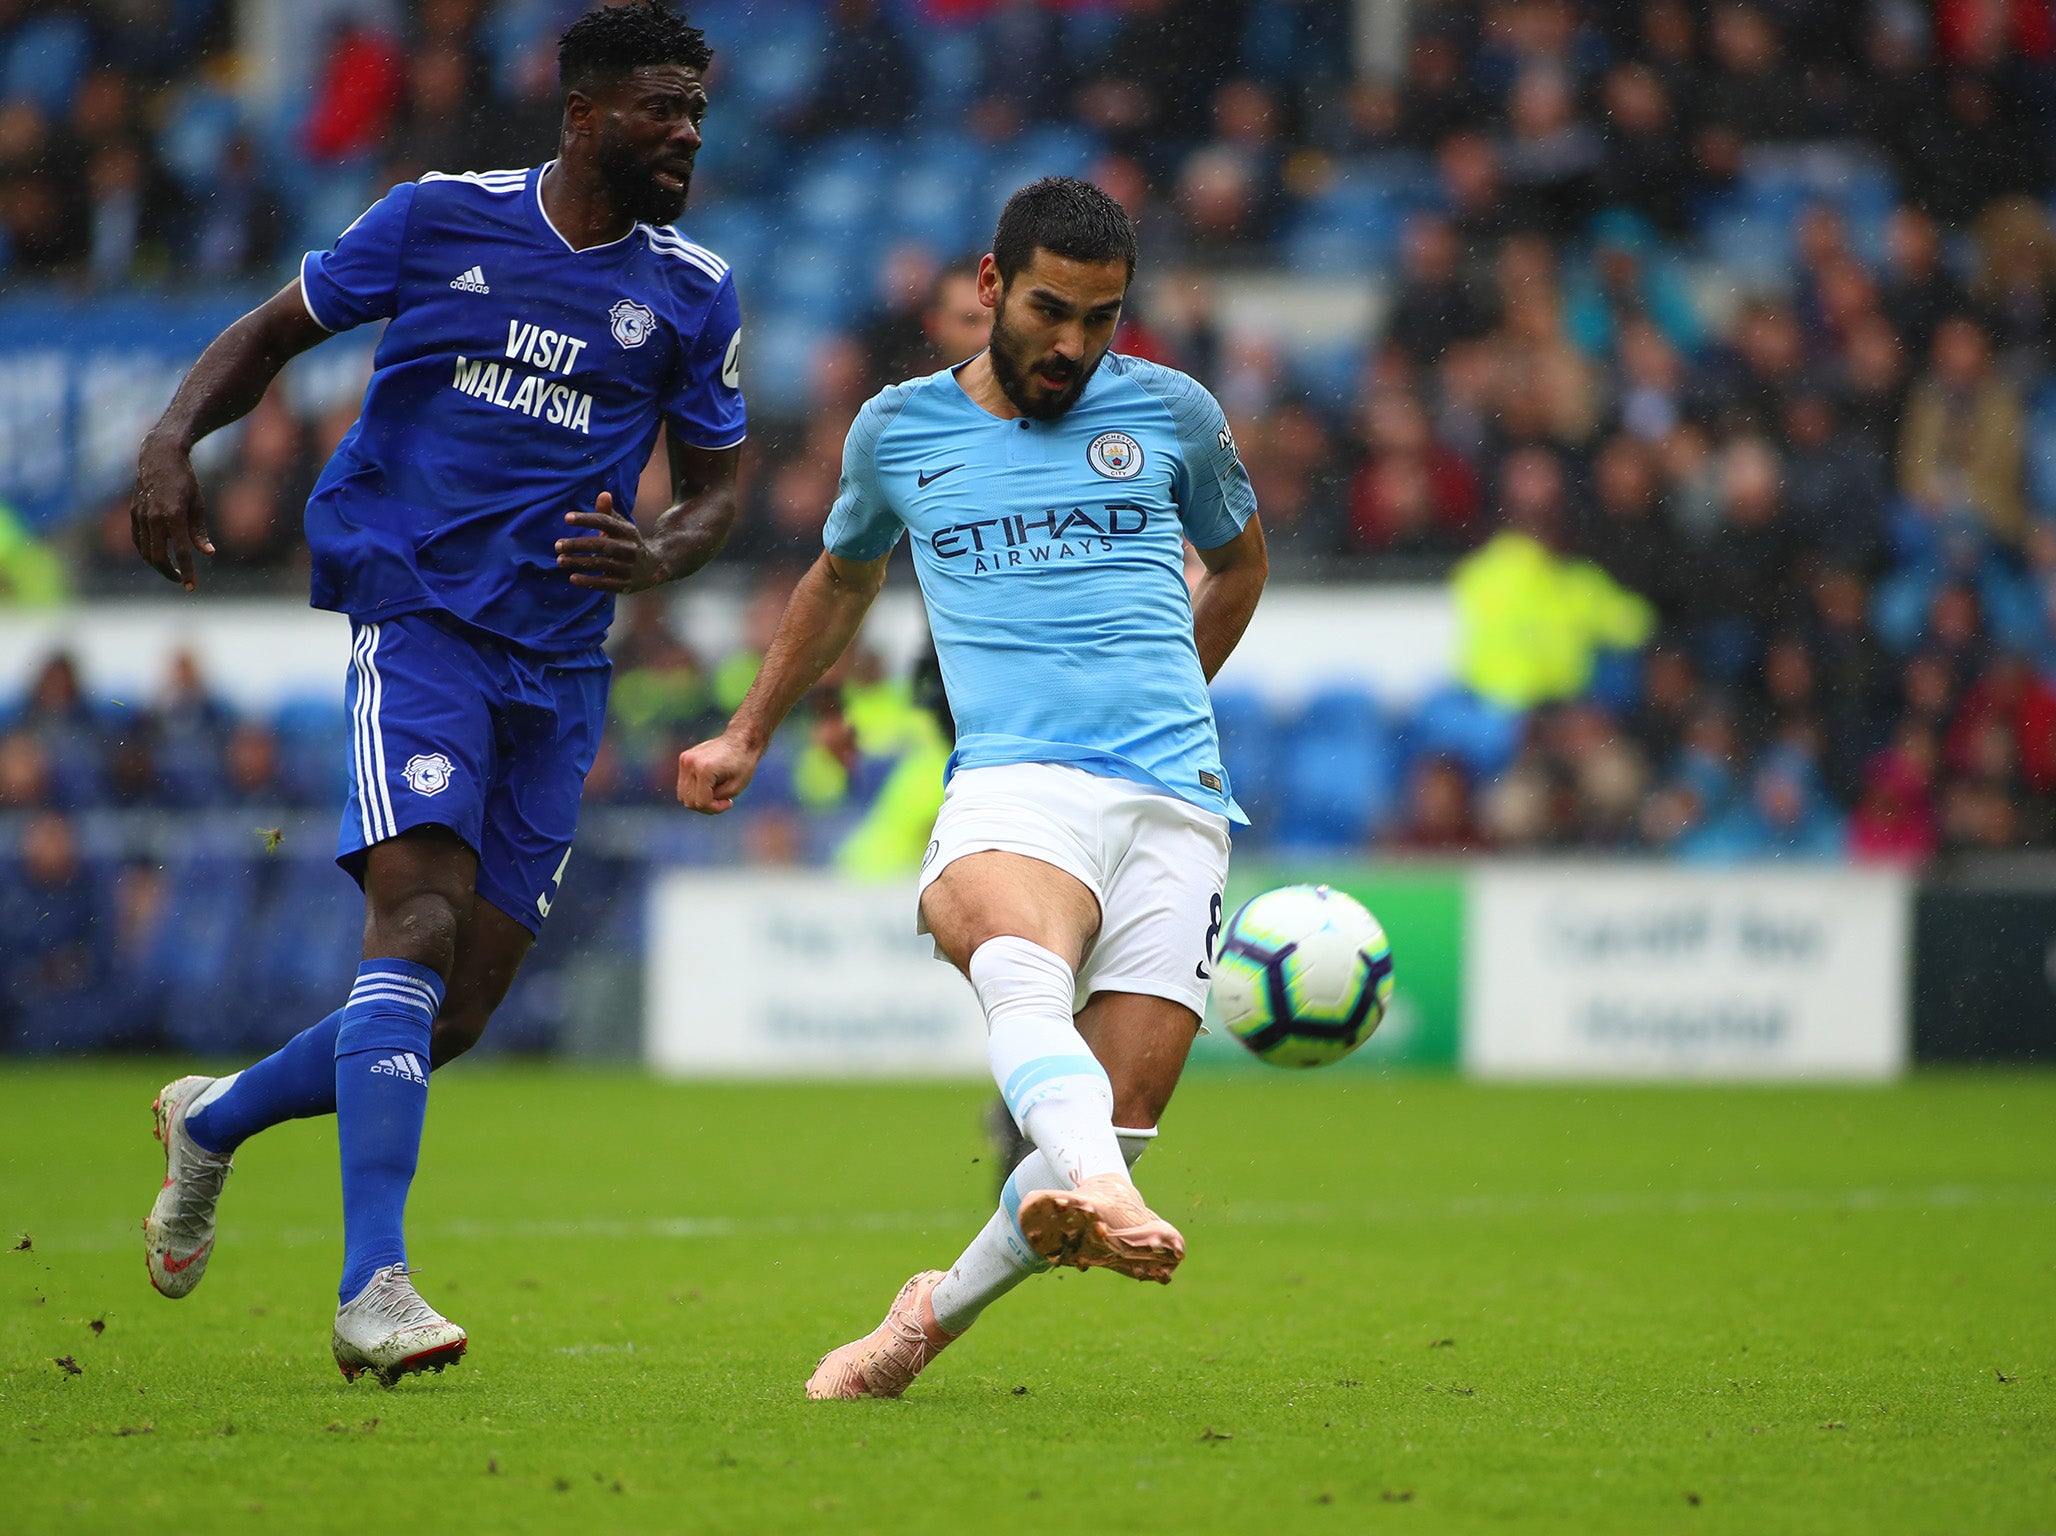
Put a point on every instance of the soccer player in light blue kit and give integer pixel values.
(1075, 876)
(542, 324)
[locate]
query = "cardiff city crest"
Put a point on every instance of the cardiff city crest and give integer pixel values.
(632, 322)
(428, 773)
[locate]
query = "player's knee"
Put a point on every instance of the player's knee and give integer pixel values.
(421, 926)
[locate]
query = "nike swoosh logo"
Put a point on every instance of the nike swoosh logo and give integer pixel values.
(177, 1266)
(1200, 972)
(928, 480)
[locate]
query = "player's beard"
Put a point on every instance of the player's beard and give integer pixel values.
(1013, 367)
(631, 181)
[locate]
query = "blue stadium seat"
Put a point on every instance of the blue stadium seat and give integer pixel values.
(835, 192)
(1339, 775)
(772, 54)
(1249, 748)
(778, 356)
(46, 62)
(313, 751)
(818, 279)
(192, 959)
(741, 233)
(2040, 451)
(301, 949)
(196, 135)
(1456, 723)
(949, 63)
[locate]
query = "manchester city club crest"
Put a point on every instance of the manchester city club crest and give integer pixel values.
(1115, 455)
(428, 773)
(632, 322)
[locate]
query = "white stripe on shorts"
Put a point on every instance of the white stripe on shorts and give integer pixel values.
(375, 801)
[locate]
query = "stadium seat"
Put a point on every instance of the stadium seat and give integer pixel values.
(192, 959)
(1454, 722)
(46, 62)
(302, 948)
(1249, 748)
(816, 278)
(1338, 773)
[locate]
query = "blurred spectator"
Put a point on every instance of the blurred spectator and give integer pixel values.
(1411, 495)
(1960, 446)
(1530, 622)
(31, 574)
(1434, 307)
(363, 85)
(1438, 817)
(54, 944)
(1894, 822)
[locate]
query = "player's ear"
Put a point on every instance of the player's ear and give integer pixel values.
(578, 112)
(990, 284)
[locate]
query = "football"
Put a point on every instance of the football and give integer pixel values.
(1302, 975)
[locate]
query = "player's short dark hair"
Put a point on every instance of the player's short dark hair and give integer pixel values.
(1066, 217)
(605, 44)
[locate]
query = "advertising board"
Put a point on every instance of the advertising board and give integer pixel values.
(1654, 972)
(800, 974)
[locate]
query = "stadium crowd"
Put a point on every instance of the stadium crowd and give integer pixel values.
(1709, 362)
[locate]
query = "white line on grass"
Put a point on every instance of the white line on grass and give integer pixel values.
(1202, 1214)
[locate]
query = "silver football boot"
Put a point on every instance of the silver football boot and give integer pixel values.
(178, 1234)
(387, 1329)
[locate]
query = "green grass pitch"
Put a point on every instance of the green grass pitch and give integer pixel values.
(1410, 1305)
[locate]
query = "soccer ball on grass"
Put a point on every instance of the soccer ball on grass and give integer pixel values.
(1302, 975)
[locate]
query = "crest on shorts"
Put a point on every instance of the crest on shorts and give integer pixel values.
(1115, 455)
(632, 322)
(428, 773)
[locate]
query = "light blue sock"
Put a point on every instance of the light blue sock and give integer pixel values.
(381, 1089)
(294, 1081)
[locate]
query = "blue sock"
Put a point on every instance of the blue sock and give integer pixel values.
(381, 1078)
(294, 1081)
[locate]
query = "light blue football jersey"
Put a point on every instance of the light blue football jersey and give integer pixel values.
(1051, 556)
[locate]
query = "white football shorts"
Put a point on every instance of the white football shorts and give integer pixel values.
(1157, 864)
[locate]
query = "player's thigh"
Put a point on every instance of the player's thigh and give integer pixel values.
(989, 895)
(1014, 853)
(531, 806)
(1142, 1041)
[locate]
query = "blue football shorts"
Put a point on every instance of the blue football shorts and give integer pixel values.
(451, 727)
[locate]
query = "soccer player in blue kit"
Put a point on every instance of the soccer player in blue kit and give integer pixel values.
(542, 324)
(1076, 869)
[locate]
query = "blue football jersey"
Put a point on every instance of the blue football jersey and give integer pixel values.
(1051, 559)
(516, 380)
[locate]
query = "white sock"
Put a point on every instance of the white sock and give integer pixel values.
(1054, 1086)
(999, 1258)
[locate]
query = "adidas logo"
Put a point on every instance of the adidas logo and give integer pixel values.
(471, 282)
(405, 1065)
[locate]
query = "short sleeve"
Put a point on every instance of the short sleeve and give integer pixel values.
(862, 525)
(1215, 501)
(705, 406)
(357, 279)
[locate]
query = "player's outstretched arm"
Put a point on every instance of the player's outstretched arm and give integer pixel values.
(820, 620)
(1226, 596)
(166, 516)
(614, 555)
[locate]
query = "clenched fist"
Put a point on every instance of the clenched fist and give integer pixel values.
(713, 773)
